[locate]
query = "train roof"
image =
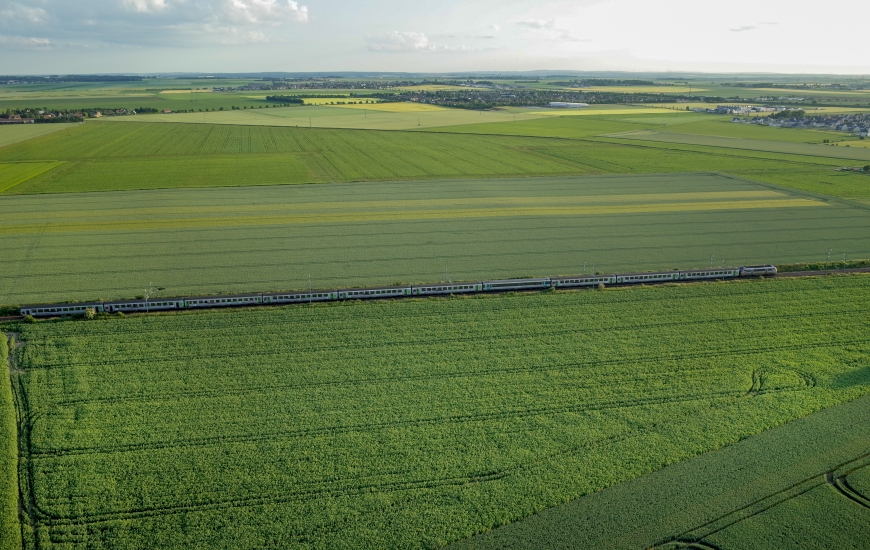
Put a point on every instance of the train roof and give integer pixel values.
(397, 287)
(285, 292)
(55, 306)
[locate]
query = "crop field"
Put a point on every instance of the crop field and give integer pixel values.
(800, 485)
(840, 151)
(199, 241)
(14, 173)
(10, 532)
(103, 157)
(372, 116)
(13, 133)
(411, 423)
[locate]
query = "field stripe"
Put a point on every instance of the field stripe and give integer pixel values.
(12, 174)
(301, 219)
(303, 207)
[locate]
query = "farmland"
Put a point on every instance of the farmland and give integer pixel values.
(112, 156)
(198, 241)
(413, 423)
(10, 532)
(773, 490)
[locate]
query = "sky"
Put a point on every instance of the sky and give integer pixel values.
(154, 36)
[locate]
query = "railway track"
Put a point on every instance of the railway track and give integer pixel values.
(817, 273)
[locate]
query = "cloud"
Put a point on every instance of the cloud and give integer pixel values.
(538, 24)
(744, 28)
(406, 41)
(495, 27)
(395, 41)
(22, 14)
(267, 11)
(145, 6)
(25, 42)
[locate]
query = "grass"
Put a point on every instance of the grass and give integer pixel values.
(10, 529)
(413, 423)
(767, 491)
(196, 241)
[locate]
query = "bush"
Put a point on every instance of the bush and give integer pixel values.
(90, 313)
(29, 319)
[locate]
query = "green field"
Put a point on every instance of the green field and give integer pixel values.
(10, 531)
(199, 241)
(14, 133)
(773, 490)
(408, 423)
(105, 157)
(841, 151)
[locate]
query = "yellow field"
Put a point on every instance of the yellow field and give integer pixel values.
(328, 100)
(387, 205)
(129, 219)
(601, 111)
(403, 107)
(642, 89)
(798, 91)
(185, 91)
(433, 88)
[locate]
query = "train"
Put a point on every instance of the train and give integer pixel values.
(399, 291)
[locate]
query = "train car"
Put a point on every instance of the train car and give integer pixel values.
(716, 273)
(636, 278)
(142, 306)
(57, 310)
(757, 270)
(300, 297)
(222, 301)
(445, 288)
(582, 280)
(516, 284)
(369, 293)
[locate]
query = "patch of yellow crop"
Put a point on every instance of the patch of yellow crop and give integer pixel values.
(403, 107)
(334, 101)
(400, 215)
(432, 88)
(15, 173)
(642, 89)
(384, 205)
(184, 91)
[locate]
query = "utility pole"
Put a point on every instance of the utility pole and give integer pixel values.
(828, 260)
(711, 260)
(309, 289)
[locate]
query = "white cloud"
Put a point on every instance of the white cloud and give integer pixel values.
(538, 24)
(25, 41)
(495, 27)
(267, 11)
(24, 14)
(395, 41)
(145, 6)
(744, 28)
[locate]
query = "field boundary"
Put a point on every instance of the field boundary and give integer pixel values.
(820, 448)
(10, 526)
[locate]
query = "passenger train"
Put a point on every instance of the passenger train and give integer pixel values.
(404, 291)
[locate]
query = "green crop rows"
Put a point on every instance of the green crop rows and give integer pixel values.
(114, 156)
(10, 531)
(411, 423)
(200, 241)
(801, 485)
